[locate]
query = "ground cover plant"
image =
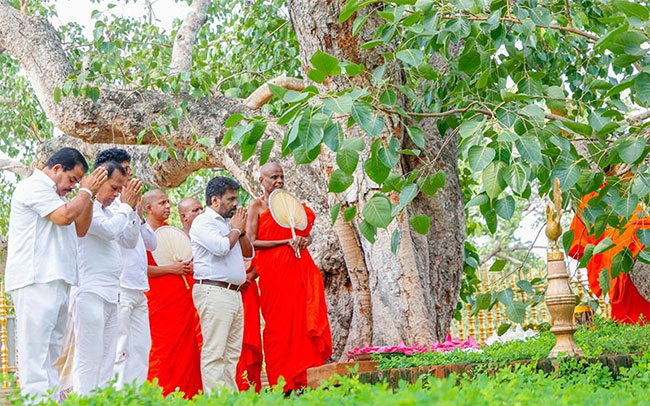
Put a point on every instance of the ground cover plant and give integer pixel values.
(591, 385)
(604, 337)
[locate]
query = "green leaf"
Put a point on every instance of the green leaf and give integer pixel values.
(586, 256)
(515, 177)
(529, 149)
(505, 207)
(498, 265)
(57, 95)
(388, 98)
(368, 231)
(642, 87)
(411, 57)
(349, 213)
(434, 182)
(540, 16)
(516, 312)
(567, 240)
(480, 156)
(347, 160)
(491, 181)
(334, 212)
(93, 93)
(341, 105)
(265, 151)
(406, 195)
(625, 206)
(506, 297)
(525, 286)
(603, 280)
(644, 236)
(632, 9)
(377, 211)
(535, 113)
(394, 240)
(376, 170)
(326, 63)
(631, 149)
(353, 69)
(369, 122)
(568, 175)
(233, 119)
(483, 302)
(622, 263)
(416, 135)
(603, 246)
(317, 75)
(339, 181)
(503, 328)
(469, 62)
(421, 223)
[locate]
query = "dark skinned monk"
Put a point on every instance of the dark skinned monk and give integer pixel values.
(297, 333)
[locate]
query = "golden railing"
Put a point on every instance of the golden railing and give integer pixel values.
(485, 323)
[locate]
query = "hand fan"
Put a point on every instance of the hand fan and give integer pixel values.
(288, 212)
(173, 246)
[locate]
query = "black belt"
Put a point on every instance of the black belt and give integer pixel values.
(226, 285)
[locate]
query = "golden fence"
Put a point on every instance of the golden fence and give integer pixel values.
(486, 323)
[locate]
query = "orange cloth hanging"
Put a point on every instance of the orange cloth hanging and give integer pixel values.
(627, 303)
(175, 357)
(249, 367)
(297, 333)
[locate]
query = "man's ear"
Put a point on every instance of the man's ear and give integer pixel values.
(57, 168)
(214, 200)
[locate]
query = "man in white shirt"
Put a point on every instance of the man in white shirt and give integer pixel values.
(220, 246)
(42, 261)
(94, 302)
(134, 336)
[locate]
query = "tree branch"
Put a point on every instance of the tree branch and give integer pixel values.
(518, 21)
(568, 13)
(263, 94)
(184, 41)
(15, 167)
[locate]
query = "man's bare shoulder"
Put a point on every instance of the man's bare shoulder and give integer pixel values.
(256, 205)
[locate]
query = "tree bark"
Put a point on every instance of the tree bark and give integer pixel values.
(413, 293)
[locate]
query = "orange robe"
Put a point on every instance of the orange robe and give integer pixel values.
(627, 303)
(250, 361)
(297, 332)
(175, 357)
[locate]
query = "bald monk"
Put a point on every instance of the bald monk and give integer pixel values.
(297, 333)
(175, 349)
(188, 209)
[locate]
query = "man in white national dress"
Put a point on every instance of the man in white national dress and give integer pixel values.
(94, 301)
(42, 262)
(134, 335)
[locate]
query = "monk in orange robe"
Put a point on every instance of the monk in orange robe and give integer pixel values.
(249, 367)
(628, 306)
(297, 333)
(175, 359)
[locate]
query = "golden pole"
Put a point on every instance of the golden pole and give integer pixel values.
(490, 325)
(461, 331)
(471, 329)
(4, 358)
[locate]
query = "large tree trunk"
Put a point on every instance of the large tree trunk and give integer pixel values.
(374, 295)
(412, 294)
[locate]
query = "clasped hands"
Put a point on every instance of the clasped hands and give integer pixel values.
(299, 243)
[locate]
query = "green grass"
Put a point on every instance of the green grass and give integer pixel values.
(605, 337)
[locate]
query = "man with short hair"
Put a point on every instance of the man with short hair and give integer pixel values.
(174, 359)
(220, 245)
(42, 261)
(188, 209)
(134, 337)
(94, 309)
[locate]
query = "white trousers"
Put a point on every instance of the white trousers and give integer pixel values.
(134, 338)
(95, 329)
(222, 326)
(41, 317)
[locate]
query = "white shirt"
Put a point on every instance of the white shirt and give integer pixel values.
(134, 260)
(39, 250)
(213, 258)
(100, 259)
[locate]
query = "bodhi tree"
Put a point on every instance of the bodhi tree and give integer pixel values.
(403, 106)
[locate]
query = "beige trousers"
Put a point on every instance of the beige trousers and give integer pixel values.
(222, 326)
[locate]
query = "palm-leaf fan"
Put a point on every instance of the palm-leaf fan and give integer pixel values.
(173, 246)
(288, 212)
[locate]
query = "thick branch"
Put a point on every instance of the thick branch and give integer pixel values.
(263, 94)
(184, 41)
(16, 167)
